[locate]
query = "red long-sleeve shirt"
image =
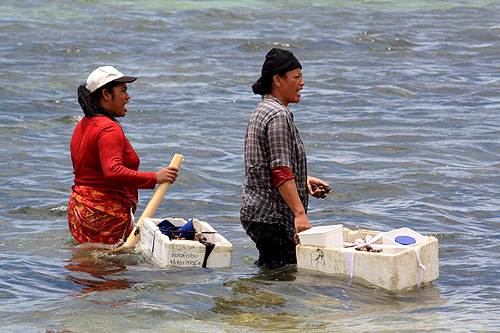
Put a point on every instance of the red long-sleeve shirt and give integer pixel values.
(104, 159)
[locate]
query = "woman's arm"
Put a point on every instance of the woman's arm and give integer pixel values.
(288, 191)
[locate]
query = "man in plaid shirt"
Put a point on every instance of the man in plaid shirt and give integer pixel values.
(274, 201)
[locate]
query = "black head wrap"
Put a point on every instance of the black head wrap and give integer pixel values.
(277, 61)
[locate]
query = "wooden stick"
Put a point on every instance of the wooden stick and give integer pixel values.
(153, 204)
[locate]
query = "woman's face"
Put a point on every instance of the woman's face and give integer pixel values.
(118, 98)
(291, 85)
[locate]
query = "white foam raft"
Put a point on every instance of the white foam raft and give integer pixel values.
(396, 268)
(174, 252)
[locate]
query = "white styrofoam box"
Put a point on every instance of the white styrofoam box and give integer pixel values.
(328, 235)
(392, 272)
(184, 252)
(389, 238)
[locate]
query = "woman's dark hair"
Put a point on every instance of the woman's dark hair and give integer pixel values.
(90, 102)
(263, 85)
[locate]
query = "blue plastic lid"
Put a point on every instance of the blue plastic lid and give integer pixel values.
(405, 240)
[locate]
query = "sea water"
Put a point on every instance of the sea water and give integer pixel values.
(399, 115)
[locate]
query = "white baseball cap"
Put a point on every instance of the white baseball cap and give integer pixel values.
(105, 74)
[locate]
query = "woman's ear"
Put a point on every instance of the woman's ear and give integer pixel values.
(277, 80)
(106, 95)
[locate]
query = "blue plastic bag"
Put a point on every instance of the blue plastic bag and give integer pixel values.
(186, 231)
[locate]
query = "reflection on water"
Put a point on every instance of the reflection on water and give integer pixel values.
(280, 299)
(337, 300)
(95, 272)
(286, 273)
(251, 304)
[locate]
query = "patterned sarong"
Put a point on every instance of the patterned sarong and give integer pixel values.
(94, 217)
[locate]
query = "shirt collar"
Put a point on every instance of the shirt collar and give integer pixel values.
(271, 97)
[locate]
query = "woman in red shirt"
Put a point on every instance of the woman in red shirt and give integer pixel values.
(104, 195)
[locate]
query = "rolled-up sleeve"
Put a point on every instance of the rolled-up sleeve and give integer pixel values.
(280, 142)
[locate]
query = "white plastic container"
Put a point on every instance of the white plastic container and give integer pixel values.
(401, 237)
(329, 235)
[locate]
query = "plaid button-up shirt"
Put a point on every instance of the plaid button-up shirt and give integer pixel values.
(271, 140)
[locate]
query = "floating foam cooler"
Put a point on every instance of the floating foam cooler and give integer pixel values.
(215, 252)
(396, 267)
